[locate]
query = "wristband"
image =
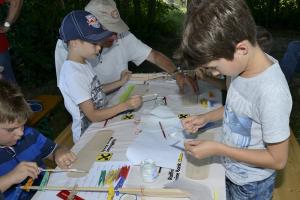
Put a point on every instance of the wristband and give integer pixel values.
(177, 70)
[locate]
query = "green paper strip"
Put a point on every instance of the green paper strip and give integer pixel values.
(44, 181)
(124, 97)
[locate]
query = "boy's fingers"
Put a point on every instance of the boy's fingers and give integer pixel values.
(73, 157)
(32, 172)
(32, 165)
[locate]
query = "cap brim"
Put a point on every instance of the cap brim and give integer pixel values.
(96, 38)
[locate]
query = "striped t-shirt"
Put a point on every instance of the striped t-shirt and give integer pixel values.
(32, 147)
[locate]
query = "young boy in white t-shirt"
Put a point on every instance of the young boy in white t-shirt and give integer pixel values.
(220, 36)
(84, 95)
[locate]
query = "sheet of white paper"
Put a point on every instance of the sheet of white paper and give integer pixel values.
(90, 180)
(163, 112)
(151, 144)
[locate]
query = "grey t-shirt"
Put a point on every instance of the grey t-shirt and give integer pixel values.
(257, 112)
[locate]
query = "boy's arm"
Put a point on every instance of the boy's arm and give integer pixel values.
(215, 115)
(273, 157)
(62, 157)
(97, 115)
(125, 76)
(108, 87)
(18, 174)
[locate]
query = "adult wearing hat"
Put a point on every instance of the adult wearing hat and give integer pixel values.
(120, 48)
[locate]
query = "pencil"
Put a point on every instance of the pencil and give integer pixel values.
(105, 123)
(162, 130)
(159, 170)
(165, 98)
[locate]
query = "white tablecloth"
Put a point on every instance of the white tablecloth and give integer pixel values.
(125, 132)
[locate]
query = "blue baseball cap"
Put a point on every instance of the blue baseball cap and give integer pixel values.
(82, 25)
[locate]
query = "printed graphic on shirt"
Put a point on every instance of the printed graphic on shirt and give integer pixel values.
(237, 133)
(237, 129)
(99, 100)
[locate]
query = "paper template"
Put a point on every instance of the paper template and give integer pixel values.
(90, 180)
(151, 144)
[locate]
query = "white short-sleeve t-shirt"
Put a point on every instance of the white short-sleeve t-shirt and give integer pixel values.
(257, 112)
(112, 61)
(79, 83)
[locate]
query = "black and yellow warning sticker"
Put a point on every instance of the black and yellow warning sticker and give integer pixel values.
(128, 116)
(104, 156)
(183, 116)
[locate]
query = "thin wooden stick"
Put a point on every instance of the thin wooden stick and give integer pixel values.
(151, 192)
(63, 170)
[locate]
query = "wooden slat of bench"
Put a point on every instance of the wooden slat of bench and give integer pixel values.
(288, 179)
(49, 102)
(65, 137)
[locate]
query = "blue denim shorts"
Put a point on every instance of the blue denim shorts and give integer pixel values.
(260, 190)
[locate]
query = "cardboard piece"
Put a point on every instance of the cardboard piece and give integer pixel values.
(198, 169)
(87, 155)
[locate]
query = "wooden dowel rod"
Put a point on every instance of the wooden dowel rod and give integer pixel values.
(151, 192)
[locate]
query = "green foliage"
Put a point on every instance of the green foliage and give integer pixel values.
(276, 13)
(146, 28)
(33, 39)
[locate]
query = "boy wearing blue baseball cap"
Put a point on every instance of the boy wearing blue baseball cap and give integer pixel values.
(84, 95)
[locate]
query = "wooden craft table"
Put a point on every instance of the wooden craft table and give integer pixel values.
(124, 133)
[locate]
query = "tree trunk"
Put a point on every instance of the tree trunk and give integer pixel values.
(137, 13)
(188, 6)
(118, 4)
(269, 13)
(151, 10)
(125, 10)
(151, 13)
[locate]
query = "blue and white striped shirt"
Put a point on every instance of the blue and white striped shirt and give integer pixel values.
(32, 147)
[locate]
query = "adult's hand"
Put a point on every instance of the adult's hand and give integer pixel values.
(183, 80)
(4, 29)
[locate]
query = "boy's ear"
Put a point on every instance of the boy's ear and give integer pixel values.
(242, 48)
(73, 43)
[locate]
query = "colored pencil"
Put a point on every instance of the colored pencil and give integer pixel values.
(162, 130)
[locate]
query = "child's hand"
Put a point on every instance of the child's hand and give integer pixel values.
(125, 76)
(64, 158)
(134, 102)
(202, 148)
(193, 123)
(22, 171)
